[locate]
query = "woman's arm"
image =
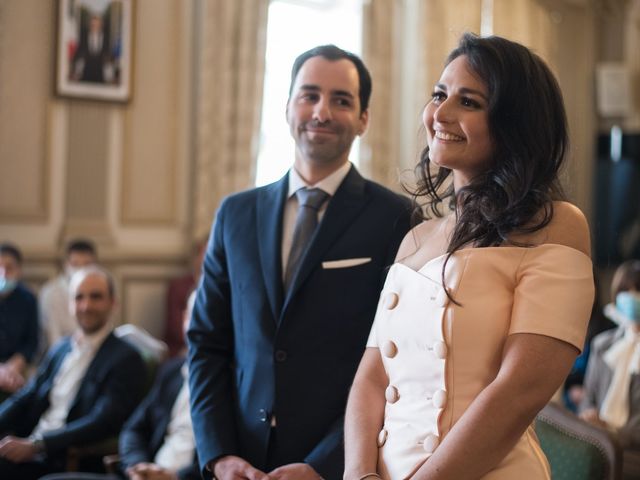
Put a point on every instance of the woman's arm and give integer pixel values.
(364, 416)
(533, 367)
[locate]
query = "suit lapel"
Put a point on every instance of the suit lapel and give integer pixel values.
(56, 362)
(100, 361)
(269, 210)
(348, 201)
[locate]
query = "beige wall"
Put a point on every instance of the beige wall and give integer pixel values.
(118, 173)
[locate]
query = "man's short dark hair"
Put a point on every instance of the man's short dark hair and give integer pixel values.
(333, 53)
(11, 250)
(81, 245)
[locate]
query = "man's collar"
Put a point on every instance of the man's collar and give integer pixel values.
(92, 340)
(328, 184)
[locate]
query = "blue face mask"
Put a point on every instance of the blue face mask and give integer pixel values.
(7, 285)
(628, 304)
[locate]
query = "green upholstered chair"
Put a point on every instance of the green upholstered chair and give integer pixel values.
(575, 449)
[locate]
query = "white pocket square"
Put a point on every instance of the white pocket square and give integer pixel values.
(346, 263)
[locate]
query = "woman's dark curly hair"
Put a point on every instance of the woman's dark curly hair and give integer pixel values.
(528, 125)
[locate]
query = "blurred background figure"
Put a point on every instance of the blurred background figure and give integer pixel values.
(18, 321)
(612, 382)
(56, 319)
(180, 289)
(598, 323)
(86, 388)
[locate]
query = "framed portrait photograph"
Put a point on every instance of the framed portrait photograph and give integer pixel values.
(94, 49)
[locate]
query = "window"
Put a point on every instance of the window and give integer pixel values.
(294, 27)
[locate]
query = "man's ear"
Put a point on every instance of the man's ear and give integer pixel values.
(286, 110)
(364, 122)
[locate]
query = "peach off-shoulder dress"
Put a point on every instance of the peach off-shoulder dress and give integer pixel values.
(439, 356)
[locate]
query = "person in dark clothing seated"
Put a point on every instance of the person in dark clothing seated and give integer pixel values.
(18, 322)
(157, 442)
(84, 391)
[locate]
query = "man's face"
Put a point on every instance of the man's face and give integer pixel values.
(91, 303)
(323, 111)
(9, 267)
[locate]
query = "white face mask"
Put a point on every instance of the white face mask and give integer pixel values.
(628, 304)
(7, 285)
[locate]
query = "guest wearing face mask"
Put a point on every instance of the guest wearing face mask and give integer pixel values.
(18, 321)
(612, 381)
(56, 319)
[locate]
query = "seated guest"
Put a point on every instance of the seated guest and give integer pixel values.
(574, 384)
(83, 392)
(179, 290)
(18, 321)
(157, 442)
(612, 381)
(56, 319)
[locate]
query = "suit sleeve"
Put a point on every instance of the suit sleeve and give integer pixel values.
(29, 317)
(327, 458)
(18, 405)
(115, 398)
(210, 341)
(135, 438)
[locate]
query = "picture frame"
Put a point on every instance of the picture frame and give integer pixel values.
(94, 49)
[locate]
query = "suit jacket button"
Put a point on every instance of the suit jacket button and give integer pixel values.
(281, 355)
(263, 415)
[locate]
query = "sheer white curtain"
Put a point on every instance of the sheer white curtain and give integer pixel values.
(230, 75)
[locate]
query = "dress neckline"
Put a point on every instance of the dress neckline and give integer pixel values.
(469, 250)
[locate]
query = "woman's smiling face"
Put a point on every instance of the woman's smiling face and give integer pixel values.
(457, 123)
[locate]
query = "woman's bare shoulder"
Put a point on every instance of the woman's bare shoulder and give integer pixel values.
(422, 242)
(567, 227)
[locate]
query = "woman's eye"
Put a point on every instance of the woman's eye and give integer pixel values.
(467, 102)
(438, 97)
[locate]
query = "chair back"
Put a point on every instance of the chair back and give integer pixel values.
(152, 350)
(577, 450)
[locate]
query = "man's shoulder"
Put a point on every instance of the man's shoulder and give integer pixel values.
(23, 294)
(119, 348)
(392, 200)
(53, 287)
(245, 198)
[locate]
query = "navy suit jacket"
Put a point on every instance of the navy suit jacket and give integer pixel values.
(255, 352)
(110, 390)
(143, 434)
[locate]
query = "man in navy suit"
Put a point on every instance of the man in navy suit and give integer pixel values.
(84, 391)
(274, 343)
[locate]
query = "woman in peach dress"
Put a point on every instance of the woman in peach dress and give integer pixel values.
(486, 307)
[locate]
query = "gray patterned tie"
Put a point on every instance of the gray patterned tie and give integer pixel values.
(309, 200)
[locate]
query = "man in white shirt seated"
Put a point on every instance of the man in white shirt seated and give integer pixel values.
(83, 392)
(157, 442)
(56, 319)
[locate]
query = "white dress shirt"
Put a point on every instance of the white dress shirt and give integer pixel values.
(179, 444)
(328, 184)
(55, 317)
(68, 378)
